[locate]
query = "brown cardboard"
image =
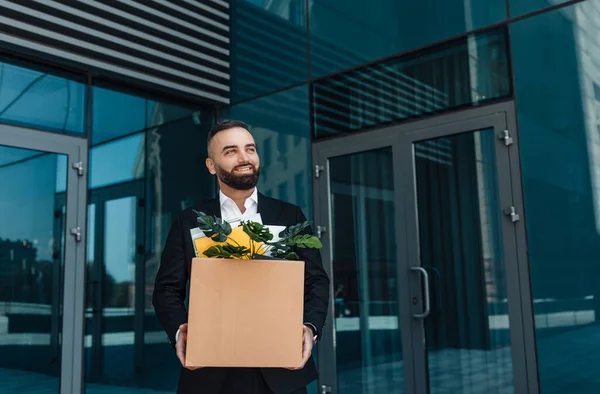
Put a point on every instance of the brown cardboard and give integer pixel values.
(245, 313)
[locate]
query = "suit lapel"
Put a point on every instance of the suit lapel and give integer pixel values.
(210, 207)
(268, 212)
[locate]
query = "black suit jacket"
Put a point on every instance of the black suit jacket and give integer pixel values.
(172, 279)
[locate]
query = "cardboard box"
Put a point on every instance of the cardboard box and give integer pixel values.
(245, 313)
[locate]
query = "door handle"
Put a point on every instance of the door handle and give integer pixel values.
(427, 309)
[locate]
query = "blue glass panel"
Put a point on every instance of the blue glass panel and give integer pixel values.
(118, 161)
(281, 122)
(468, 71)
(116, 114)
(41, 100)
(177, 178)
(557, 70)
(268, 46)
(160, 112)
(31, 271)
(521, 7)
(352, 32)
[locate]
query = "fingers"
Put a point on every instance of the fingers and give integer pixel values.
(180, 351)
(181, 345)
(307, 345)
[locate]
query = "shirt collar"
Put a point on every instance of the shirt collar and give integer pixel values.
(223, 199)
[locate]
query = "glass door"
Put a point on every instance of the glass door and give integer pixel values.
(40, 261)
(364, 349)
(461, 244)
(426, 254)
(115, 277)
(114, 272)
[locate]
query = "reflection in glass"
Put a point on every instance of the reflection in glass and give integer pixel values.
(159, 112)
(31, 271)
(280, 126)
(365, 276)
(118, 288)
(111, 288)
(467, 332)
(352, 32)
(117, 161)
(560, 154)
(471, 70)
(521, 7)
(274, 27)
(38, 99)
(116, 114)
(176, 179)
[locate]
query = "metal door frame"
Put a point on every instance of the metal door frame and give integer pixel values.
(100, 196)
(76, 150)
(322, 152)
(401, 137)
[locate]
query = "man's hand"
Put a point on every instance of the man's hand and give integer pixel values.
(181, 345)
(307, 344)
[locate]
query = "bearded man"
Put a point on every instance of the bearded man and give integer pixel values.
(233, 158)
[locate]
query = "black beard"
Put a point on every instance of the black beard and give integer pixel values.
(238, 182)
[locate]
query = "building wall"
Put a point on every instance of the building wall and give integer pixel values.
(302, 70)
(176, 47)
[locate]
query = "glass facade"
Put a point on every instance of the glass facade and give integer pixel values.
(558, 110)
(280, 125)
(305, 73)
(41, 100)
(351, 33)
(467, 72)
(31, 268)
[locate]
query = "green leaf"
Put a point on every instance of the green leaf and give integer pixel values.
(257, 232)
(292, 231)
(286, 255)
(305, 241)
(215, 228)
(227, 251)
(214, 251)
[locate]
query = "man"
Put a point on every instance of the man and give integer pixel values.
(233, 158)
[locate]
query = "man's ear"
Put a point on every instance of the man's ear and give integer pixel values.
(211, 166)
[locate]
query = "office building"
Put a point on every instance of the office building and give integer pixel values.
(448, 153)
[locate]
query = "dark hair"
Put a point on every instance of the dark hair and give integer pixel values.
(225, 125)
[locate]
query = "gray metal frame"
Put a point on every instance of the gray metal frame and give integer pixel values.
(100, 197)
(401, 138)
(76, 150)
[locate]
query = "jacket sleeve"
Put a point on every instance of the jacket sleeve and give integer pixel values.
(170, 285)
(316, 283)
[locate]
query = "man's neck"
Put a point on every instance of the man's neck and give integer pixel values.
(238, 196)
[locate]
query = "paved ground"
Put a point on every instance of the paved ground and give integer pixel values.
(568, 364)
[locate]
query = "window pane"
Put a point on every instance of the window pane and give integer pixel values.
(177, 179)
(159, 112)
(558, 113)
(348, 33)
(279, 120)
(472, 70)
(268, 46)
(521, 7)
(38, 99)
(116, 114)
(117, 161)
(32, 236)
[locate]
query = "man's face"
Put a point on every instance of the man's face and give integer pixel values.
(233, 158)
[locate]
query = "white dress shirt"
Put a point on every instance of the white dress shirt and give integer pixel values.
(230, 211)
